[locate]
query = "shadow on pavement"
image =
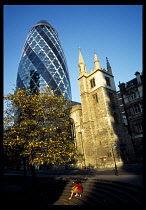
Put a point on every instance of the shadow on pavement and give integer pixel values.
(19, 191)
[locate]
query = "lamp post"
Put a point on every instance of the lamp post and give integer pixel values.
(116, 169)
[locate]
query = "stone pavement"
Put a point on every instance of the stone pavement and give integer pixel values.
(130, 178)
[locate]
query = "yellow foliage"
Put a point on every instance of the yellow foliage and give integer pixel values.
(40, 124)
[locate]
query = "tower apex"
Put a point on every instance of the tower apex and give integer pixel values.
(96, 61)
(81, 64)
(109, 69)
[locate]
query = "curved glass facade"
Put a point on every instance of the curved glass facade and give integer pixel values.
(43, 61)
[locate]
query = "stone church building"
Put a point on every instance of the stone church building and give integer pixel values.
(98, 129)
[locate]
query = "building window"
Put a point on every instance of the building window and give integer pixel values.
(111, 96)
(133, 96)
(92, 82)
(95, 98)
(115, 118)
(108, 81)
(139, 127)
(73, 133)
(109, 154)
(136, 109)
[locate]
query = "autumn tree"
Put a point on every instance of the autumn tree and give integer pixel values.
(38, 126)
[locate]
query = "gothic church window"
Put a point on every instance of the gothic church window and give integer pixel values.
(108, 81)
(92, 82)
(73, 133)
(109, 154)
(95, 98)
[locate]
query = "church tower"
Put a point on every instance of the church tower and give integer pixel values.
(100, 134)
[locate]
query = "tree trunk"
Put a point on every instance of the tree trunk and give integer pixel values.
(33, 176)
(24, 166)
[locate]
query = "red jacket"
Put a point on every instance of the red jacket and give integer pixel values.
(80, 188)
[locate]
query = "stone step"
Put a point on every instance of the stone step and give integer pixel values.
(56, 191)
(129, 193)
(110, 193)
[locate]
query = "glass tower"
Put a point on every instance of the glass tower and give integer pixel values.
(43, 62)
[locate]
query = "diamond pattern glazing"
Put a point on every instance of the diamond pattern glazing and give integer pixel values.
(43, 61)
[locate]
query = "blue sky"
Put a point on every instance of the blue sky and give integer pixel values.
(113, 31)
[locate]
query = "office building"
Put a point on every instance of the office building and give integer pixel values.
(43, 62)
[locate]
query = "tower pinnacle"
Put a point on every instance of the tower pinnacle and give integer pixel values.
(96, 61)
(81, 64)
(109, 69)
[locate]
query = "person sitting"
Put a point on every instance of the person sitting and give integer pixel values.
(76, 189)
